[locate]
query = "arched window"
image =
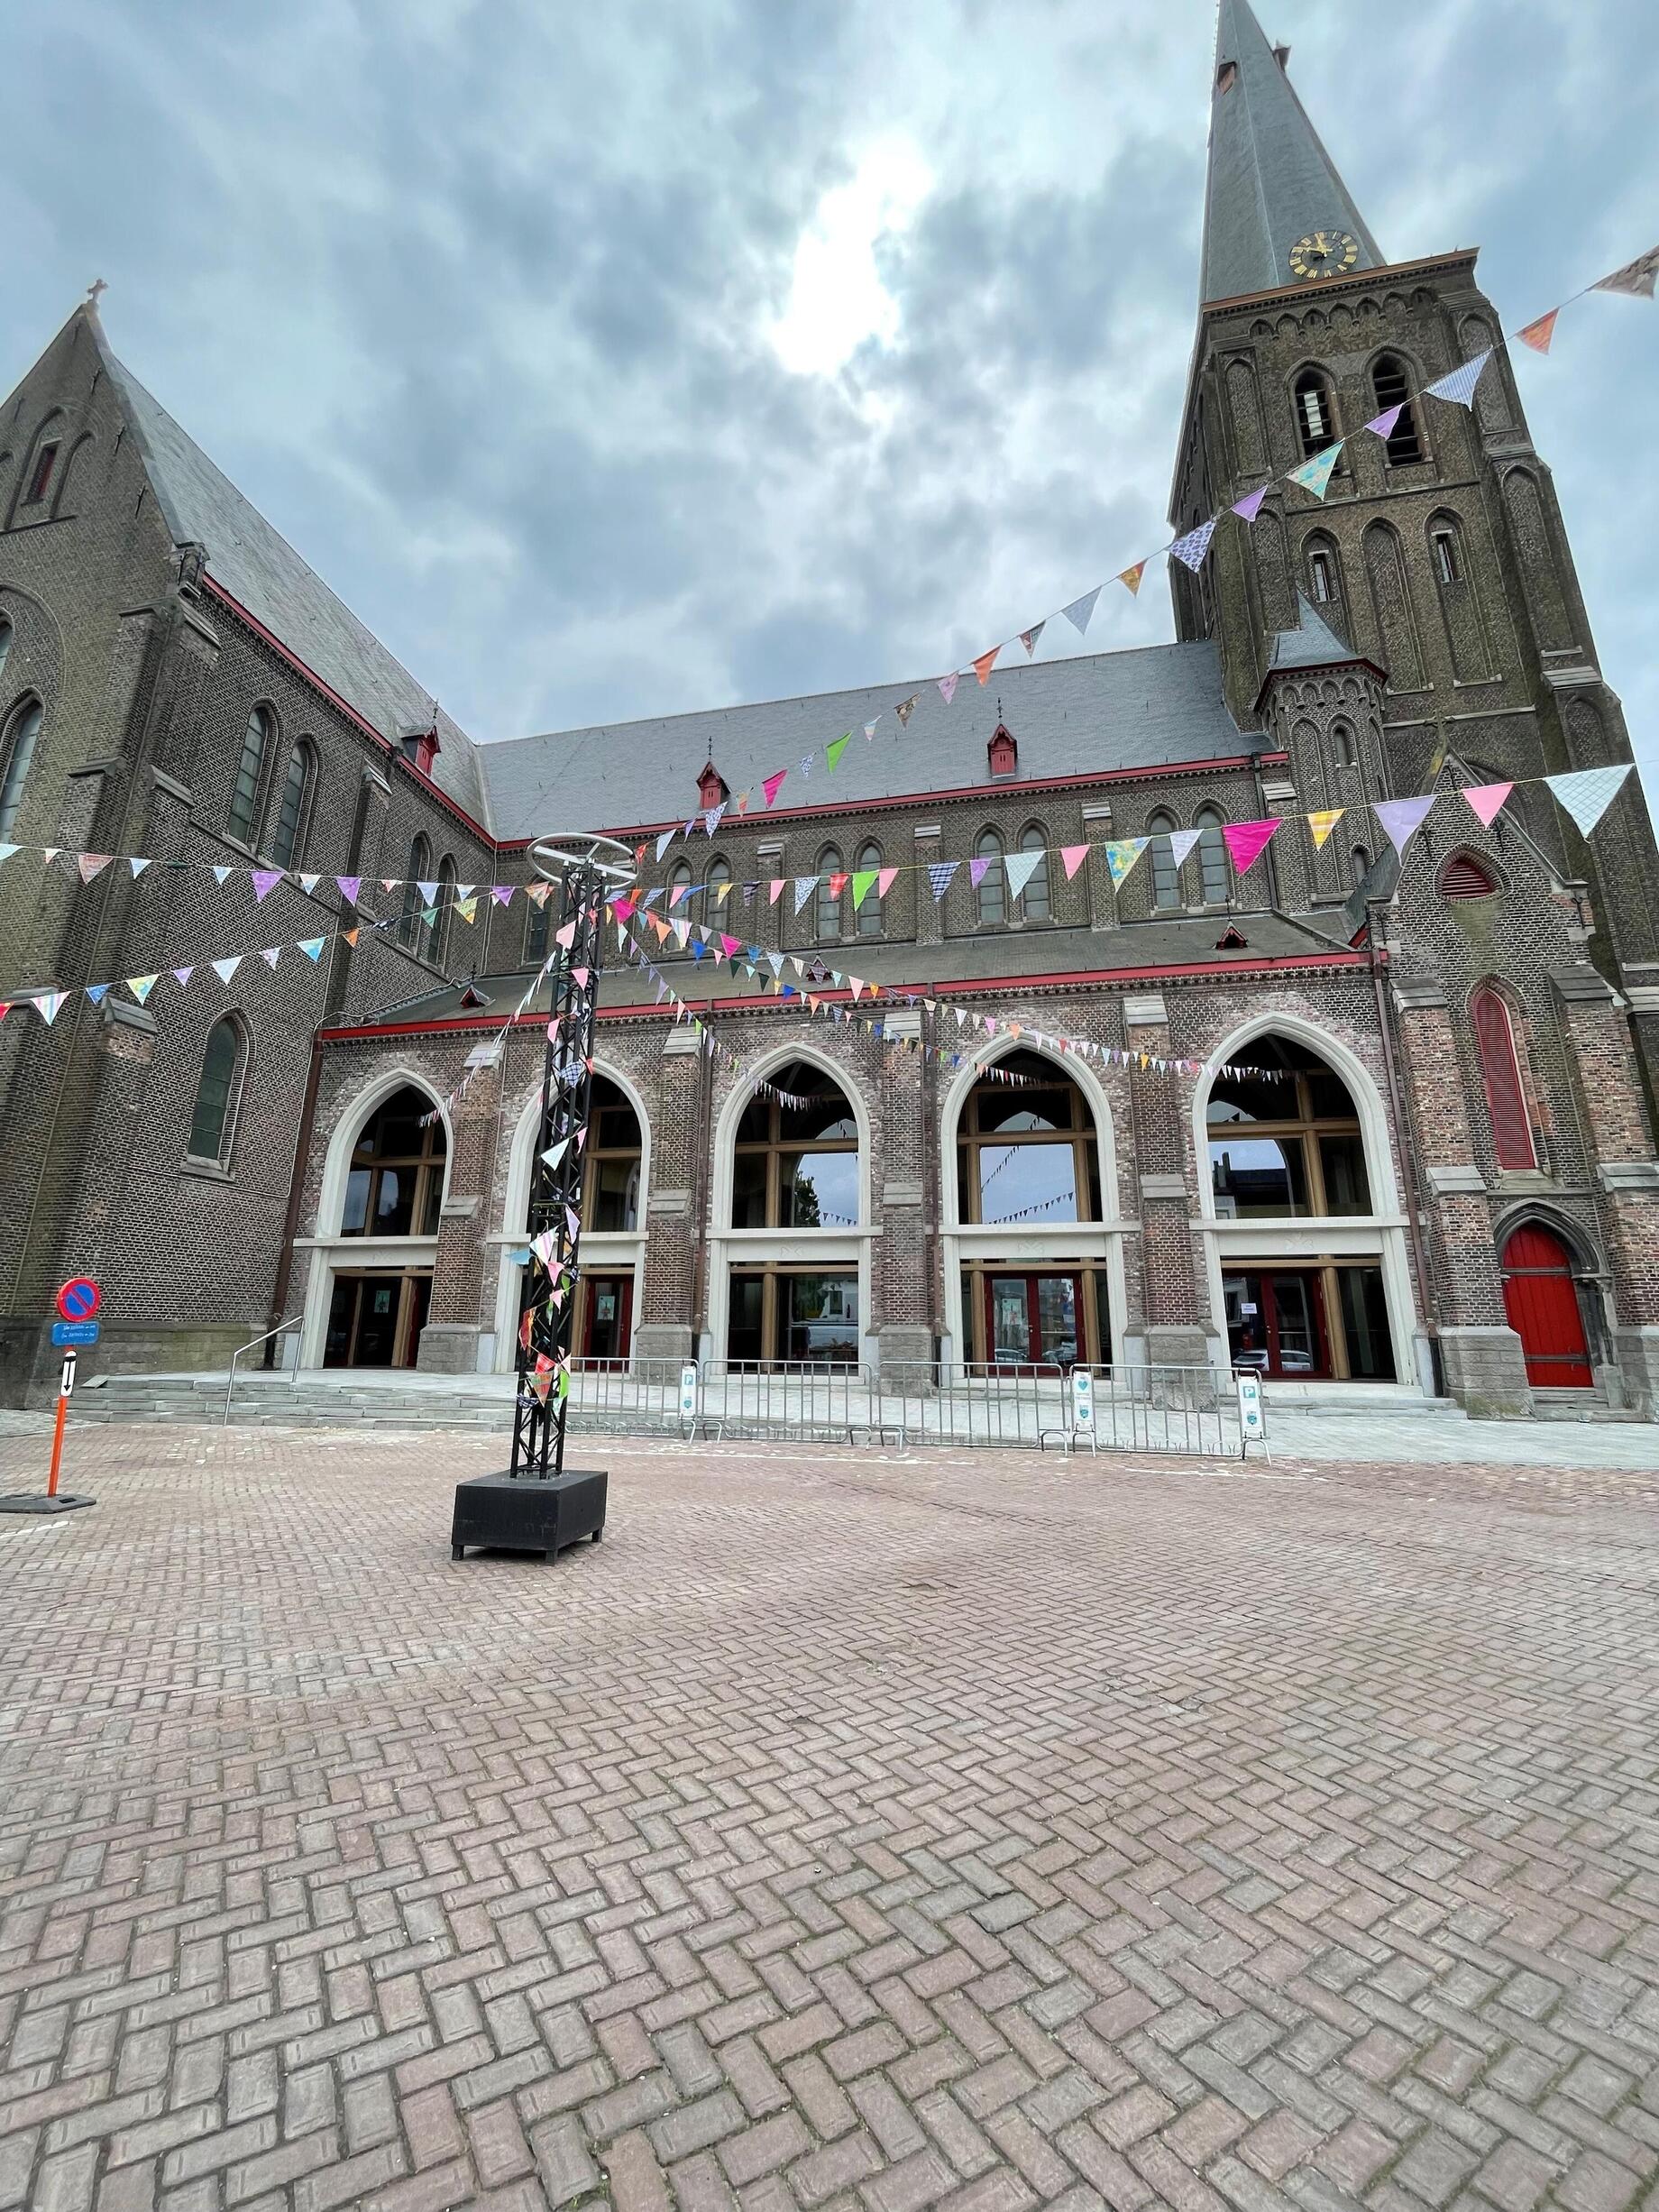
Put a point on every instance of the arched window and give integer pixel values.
(827, 908)
(679, 888)
(610, 1187)
(218, 1093)
(870, 910)
(1285, 1146)
(1321, 574)
(1315, 412)
(1448, 557)
(1501, 1073)
(448, 876)
(991, 896)
(287, 839)
(1343, 745)
(1361, 864)
(250, 768)
(411, 929)
(795, 1172)
(536, 931)
(20, 743)
(1212, 857)
(716, 889)
(395, 1186)
(1036, 901)
(1026, 1152)
(1392, 387)
(1166, 875)
(49, 443)
(5, 642)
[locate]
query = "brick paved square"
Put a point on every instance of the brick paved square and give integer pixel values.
(847, 1828)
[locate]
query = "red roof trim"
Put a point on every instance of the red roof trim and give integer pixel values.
(893, 995)
(343, 706)
(1000, 789)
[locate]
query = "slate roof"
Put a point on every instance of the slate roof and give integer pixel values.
(1143, 708)
(1315, 644)
(261, 572)
(1270, 179)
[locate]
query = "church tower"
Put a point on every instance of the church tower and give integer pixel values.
(1437, 557)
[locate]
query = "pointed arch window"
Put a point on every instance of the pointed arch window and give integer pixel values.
(1448, 554)
(395, 1186)
(1343, 744)
(1321, 575)
(448, 876)
(250, 770)
(1166, 875)
(411, 929)
(679, 888)
(218, 1093)
(5, 642)
(535, 928)
(1361, 864)
(826, 905)
(1315, 412)
(1036, 902)
(870, 912)
(716, 889)
(1500, 1074)
(21, 738)
(1392, 387)
(992, 895)
(287, 839)
(1465, 878)
(1212, 857)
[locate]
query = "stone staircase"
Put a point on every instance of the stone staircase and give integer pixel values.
(263, 1400)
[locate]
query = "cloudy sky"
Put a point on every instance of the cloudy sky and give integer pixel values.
(615, 360)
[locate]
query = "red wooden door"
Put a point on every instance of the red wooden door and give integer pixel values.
(1543, 1307)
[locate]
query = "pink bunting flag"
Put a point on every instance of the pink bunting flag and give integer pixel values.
(1074, 856)
(884, 882)
(774, 890)
(579, 977)
(1246, 841)
(1485, 799)
(948, 686)
(271, 955)
(265, 879)
(1402, 818)
(1250, 506)
(91, 863)
(773, 785)
(730, 944)
(566, 935)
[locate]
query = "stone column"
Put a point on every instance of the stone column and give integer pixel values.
(1179, 1325)
(769, 918)
(899, 1271)
(1626, 1174)
(1101, 899)
(679, 1143)
(1485, 1368)
(930, 911)
(449, 1342)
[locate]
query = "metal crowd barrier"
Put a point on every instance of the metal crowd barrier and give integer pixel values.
(1191, 1412)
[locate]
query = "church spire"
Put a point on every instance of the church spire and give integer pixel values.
(1271, 184)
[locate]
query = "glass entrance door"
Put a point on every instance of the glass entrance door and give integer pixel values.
(1276, 1323)
(607, 1316)
(1032, 1320)
(376, 1320)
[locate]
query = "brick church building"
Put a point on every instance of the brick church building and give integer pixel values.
(1451, 1187)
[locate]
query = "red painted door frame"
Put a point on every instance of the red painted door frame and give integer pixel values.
(1541, 1302)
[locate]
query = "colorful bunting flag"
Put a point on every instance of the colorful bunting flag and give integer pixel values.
(226, 970)
(1130, 578)
(1028, 638)
(1589, 792)
(1402, 818)
(1191, 549)
(49, 1004)
(266, 880)
(1020, 867)
(834, 749)
(1246, 841)
(349, 885)
(1485, 799)
(1315, 475)
(976, 871)
(428, 892)
(1121, 854)
(1073, 856)
(219, 874)
(804, 887)
(91, 864)
(1459, 387)
(1538, 334)
(141, 987)
(885, 881)
(1383, 424)
(939, 872)
(1638, 277)
(271, 955)
(1181, 842)
(711, 817)
(862, 882)
(97, 992)
(1080, 609)
(181, 976)
(985, 662)
(771, 786)
(312, 947)
(1250, 506)
(905, 709)
(1322, 822)
(663, 842)
(947, 691)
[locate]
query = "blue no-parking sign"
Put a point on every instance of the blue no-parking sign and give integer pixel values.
(75, 1332)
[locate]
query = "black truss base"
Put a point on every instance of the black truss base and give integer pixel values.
(42, 1503)
(494, 1512)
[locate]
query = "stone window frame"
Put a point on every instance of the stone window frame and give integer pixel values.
(410, 927)
(1223, 872)
(247, 834)
(14, 778)
(868, 918)
(1160, 827)
(1411, 377)
(303, 754)
(1503, 1062)
(1021, 918)
(776, 1145)
(829, 910)
(1303, 379)
(990, 915)
(1083, 1137)
(217, 1165)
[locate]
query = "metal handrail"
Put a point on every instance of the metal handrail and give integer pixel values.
(293, 1321)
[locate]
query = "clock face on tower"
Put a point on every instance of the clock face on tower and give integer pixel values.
(1323, 253)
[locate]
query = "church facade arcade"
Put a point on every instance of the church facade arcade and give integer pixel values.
(1445, 1180)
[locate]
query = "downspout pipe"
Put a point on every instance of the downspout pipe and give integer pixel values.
(291, 1220)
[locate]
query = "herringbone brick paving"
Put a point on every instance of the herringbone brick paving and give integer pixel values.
(843, 1832)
